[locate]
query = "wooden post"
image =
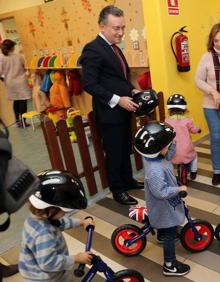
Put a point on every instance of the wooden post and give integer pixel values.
(161, 106)
(84, 153)
(67, 147)
(50, 136)
(137, 156)
(97, 143)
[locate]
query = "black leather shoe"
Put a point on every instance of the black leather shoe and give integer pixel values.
(125, 199)
(8, 270)
(216, 179)
(135, 185)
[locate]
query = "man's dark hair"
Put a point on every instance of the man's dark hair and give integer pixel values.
(109, 10)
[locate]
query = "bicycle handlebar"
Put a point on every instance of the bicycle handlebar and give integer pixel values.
(183, 194)
(79, 271)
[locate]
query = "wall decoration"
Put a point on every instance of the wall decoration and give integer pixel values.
(32, 30)
(86, 4)
(40, 16)
(65, 19)
(67, 25)
(110, 2)
(134, 38)
(143, 33)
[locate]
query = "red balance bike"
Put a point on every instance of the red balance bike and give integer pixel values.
(98, 265)
(130, 240)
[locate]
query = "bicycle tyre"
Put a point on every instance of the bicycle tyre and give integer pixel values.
(129, 275)
(126, 232)
(217, 232)
(187, 236)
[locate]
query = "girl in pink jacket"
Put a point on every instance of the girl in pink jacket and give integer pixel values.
(185, 152)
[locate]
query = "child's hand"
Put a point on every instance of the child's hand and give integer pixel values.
(86, 222)
(85, 258)
(183, 188)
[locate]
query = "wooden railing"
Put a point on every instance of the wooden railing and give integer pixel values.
(61, 152)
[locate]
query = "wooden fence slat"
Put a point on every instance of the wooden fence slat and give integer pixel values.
(50, 135)
(67, 149)
(161, 106)
(97, 143)
(137, 156)
(85, 156)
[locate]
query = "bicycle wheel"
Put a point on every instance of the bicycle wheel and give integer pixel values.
(188, 240)
(217, 232)
(125, 233)
(128, 275)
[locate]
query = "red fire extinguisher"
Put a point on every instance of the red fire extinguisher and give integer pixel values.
(182, 50)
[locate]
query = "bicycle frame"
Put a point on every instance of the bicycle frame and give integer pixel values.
(198, 237)
(101, 266)
(97, 263)
(182, 175)
(146, 229)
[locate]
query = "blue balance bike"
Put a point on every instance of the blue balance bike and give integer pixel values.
(182, 173)
(98, 265)
(196, 235)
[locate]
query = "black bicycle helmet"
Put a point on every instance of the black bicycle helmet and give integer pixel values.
(176, 101)
(147, 101)
(151, 138)
(59, 189)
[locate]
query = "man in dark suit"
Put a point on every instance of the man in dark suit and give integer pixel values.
(106, 78)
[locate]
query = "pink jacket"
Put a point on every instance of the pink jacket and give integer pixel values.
(183, 126)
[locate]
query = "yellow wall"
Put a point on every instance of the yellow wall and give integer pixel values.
(198, 16)
(11, 5)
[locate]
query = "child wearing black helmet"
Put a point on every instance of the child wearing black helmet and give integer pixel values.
(44, 254)
(184, 126)
(165, 209)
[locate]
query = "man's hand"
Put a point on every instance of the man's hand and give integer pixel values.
(128, 104)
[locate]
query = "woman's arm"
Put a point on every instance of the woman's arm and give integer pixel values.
(202, 73)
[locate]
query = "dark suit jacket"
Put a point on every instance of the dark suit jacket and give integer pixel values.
(102, 77)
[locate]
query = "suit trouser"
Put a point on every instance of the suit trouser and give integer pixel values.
(117, 142)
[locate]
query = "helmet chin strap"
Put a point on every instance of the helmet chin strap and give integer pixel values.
(54, 222)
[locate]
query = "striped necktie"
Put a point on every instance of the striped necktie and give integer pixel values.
(118, 53)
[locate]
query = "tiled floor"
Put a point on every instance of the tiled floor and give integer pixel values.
(203, 201)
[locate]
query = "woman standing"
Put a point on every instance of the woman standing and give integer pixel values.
(14, 74)
(208, 81)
